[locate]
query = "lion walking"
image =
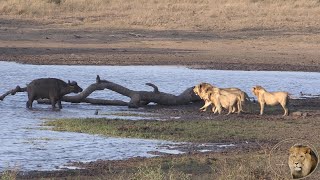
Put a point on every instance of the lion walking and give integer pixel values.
(223, 99)
(271, 98)
(220, 98)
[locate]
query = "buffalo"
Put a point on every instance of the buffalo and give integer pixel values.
(50, 88)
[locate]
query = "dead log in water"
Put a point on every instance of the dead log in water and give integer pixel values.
(137, 98)
(13, 92)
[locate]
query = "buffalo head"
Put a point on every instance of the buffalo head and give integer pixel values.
(74, 86)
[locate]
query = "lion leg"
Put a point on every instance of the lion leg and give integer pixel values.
(213, 109)
(230, 110)
(233, 109)
(206, 104)
(261, 108)
(217, 109)
(203, 109)
(286, 110)
(239, 107)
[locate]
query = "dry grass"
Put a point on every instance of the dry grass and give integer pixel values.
(9, 175)
(170, 14)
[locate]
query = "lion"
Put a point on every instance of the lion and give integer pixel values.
(271, 98)
(202, 91)
(302, 161)
(243, 96)
(223, 99)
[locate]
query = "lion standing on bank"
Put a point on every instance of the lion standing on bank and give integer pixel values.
(223, 99)
(271, 98)
(203, 89)
(302, 161)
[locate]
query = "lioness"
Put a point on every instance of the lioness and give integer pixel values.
(243, 96)
(223, 99)
(202, 91)
(302, 161)
(271, 98)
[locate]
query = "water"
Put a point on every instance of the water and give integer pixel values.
(25, 146)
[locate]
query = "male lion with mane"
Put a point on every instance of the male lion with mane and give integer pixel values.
(271, 98)
(203, 89)
(302, 161)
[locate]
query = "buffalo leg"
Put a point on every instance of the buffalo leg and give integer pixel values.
(53, 103)
(29, 102)
(59, 104)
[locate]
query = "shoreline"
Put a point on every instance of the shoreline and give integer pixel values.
(262, 142)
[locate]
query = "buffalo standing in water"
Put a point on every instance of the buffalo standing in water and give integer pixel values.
(51, 88)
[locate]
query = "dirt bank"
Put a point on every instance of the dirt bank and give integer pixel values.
(32, 42)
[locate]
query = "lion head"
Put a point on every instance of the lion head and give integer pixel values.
(201, 89)
(257, 89)
(302, 161)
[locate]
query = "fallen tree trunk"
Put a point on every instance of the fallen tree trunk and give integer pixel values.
(138, 98)
(13, 92)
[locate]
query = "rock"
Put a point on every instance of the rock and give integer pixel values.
(300, 114)
(297, 113)
(304, 115)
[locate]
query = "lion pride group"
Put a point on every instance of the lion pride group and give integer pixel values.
(233, 99)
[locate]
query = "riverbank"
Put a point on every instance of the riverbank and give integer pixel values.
(201, 127)
(36, 42)
(270, 50)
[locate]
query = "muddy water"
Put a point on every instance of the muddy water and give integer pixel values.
(25, 146)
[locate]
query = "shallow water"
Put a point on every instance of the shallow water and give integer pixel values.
(25, 146)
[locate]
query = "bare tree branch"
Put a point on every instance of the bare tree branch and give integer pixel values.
(138, 98)
(13, 92)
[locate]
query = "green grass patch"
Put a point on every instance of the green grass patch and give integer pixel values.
(124, 114)
(8, 175)
(191, 130)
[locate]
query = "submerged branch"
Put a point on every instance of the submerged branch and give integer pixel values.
(13, 92)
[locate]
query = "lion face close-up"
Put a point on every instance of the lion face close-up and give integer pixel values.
(302, 161)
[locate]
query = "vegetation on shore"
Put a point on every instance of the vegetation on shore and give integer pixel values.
(201, 166)
(170, 14)
(191, 130)
(239, 164)
(223, 166)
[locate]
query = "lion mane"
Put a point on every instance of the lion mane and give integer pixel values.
(202, 91)
(223, 98)
(302, 161)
